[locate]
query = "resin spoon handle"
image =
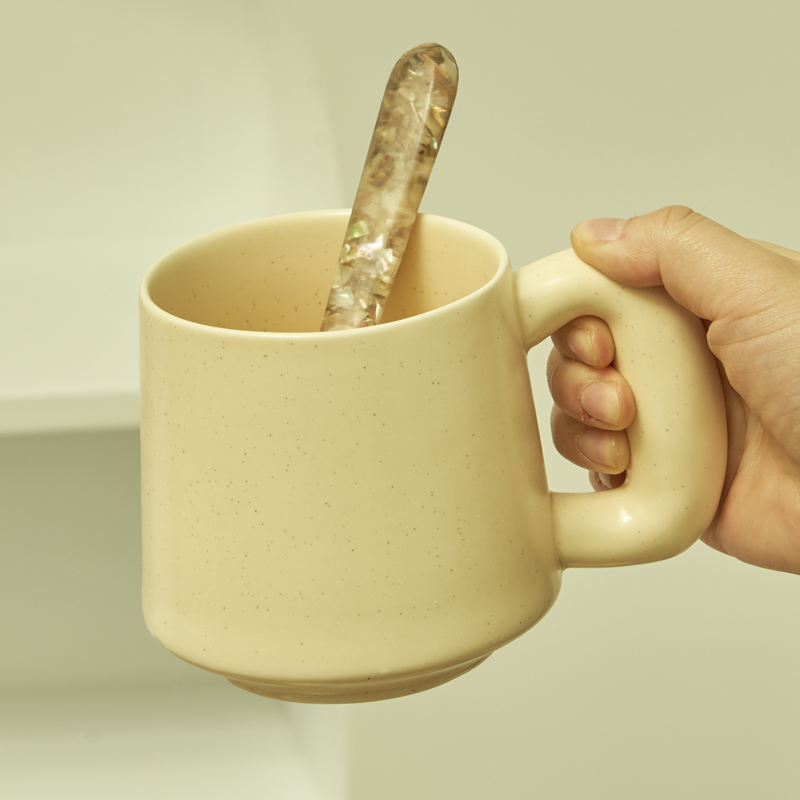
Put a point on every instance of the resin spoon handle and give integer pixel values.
(408, 134)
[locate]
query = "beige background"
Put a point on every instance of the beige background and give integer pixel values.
(129, 127)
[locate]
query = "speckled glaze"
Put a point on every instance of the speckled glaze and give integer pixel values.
(363, 514)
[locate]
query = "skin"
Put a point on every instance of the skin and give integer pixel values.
(748, 294)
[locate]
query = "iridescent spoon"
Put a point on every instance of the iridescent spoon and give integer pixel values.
(408, 134)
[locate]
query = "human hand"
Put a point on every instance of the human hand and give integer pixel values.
(748, 294)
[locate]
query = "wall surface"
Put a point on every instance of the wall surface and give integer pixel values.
(132, 126)
(577, 109)
(671, 680)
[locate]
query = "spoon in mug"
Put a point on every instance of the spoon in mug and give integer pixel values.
(408, 134)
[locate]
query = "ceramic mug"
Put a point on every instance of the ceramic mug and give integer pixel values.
(363, 514)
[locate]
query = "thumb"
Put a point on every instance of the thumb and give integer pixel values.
(705, 267)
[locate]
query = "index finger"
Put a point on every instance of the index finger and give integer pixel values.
(586, 339)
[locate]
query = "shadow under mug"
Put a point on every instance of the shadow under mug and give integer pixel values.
(363, 514)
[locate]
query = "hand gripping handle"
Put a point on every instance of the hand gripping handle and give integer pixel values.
(678, 438)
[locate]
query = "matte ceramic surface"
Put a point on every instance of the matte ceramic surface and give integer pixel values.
(355, 515)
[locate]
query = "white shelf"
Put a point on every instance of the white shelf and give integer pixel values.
(69, 335)
(69, 413)
(118, 159)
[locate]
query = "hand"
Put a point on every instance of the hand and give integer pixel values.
(748, 294)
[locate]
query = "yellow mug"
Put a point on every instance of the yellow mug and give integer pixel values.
(359, 515)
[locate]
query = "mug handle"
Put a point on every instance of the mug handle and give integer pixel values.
(678, 439)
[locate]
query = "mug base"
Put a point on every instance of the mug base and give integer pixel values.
(360, 691)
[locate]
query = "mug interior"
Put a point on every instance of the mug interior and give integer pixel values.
(275, 274)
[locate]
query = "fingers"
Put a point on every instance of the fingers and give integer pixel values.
(586, 339)
(602, 482)
(600, 398)
(593, 402)
(603, 451)
(710, 270)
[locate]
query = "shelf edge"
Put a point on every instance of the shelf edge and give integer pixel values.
(68, 413)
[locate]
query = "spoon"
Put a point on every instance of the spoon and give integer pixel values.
(408, 134)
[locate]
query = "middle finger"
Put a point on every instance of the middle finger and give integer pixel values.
(596, 397)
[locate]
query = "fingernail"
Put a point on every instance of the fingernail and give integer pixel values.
(598, 446)
(599, 230)
(581, 343)
(600, 401)
(605, 480)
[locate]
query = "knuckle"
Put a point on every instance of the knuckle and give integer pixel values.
(559, 339)
(565, 432)
(560, 428)
(677, 221)
(555, 361)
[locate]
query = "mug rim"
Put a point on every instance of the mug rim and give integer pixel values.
(152, 309)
